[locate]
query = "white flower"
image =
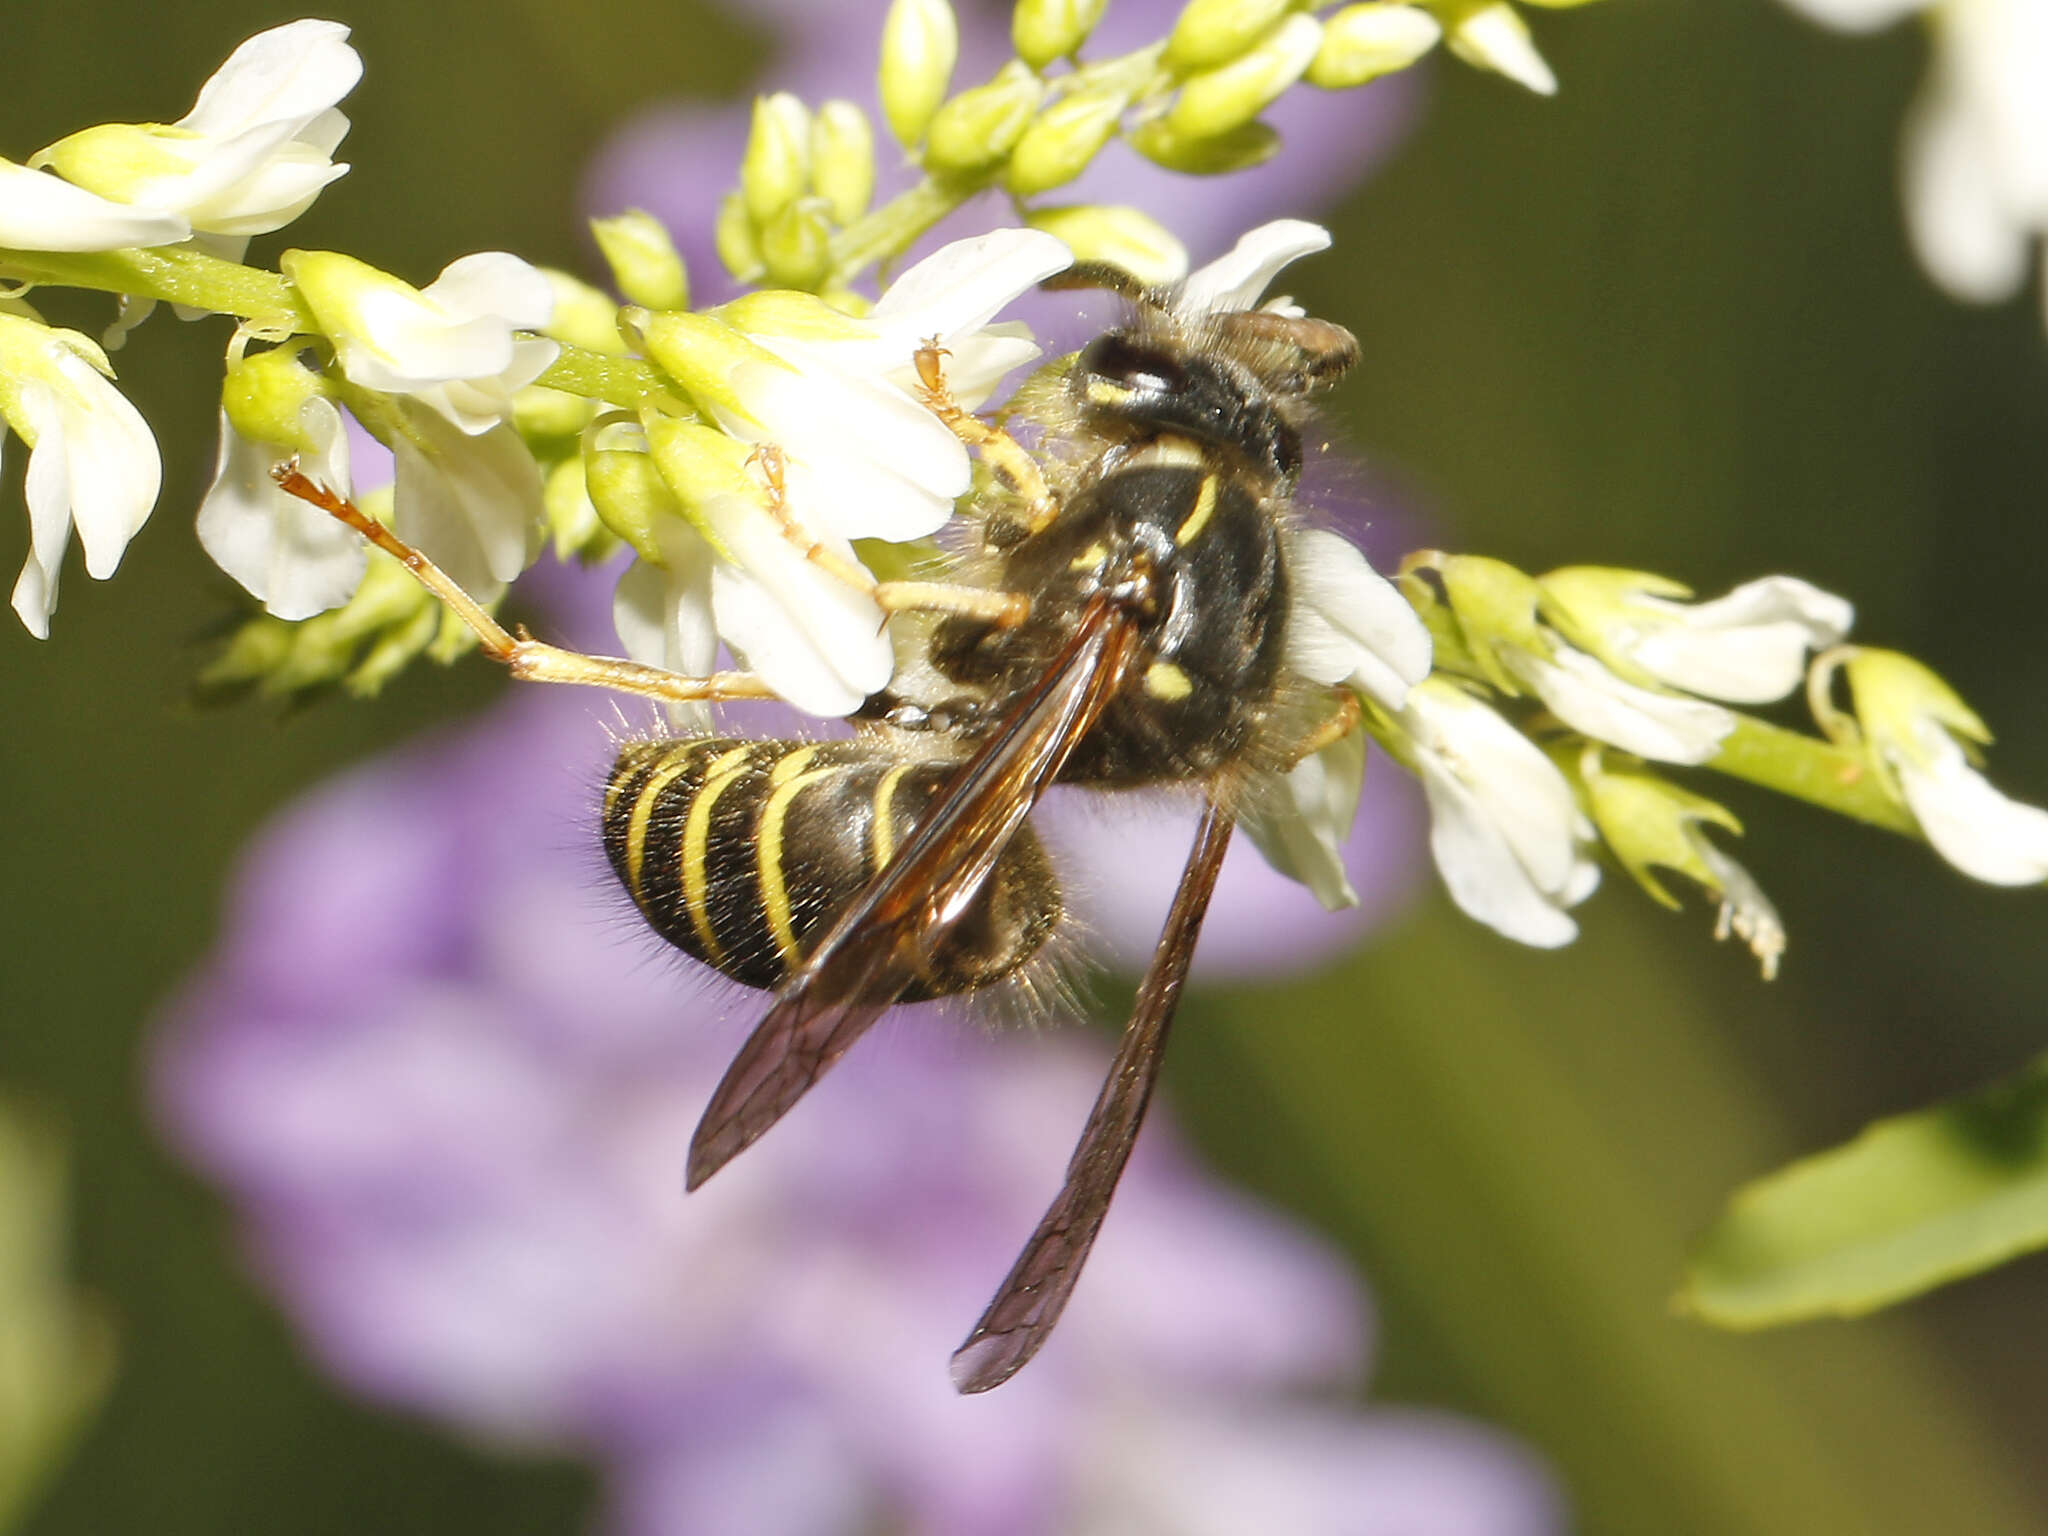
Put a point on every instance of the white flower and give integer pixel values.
(251, 155)
(1507, 836)
(292, 555)
(92, 461)
(43, 213)
(1301, 821)
(1748, 647)
(1916, 726)
(837, 396)
(451, 345)
(1975, 158)
(1347, 624)
(663, 613)
(1236, 279)
(472, 503)
(1980, 831)
(1593, 701)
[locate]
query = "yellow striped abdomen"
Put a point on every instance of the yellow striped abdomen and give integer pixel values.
(743, 853)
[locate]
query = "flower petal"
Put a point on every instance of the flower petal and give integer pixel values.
(818, 642)
(1300, 821)
(1235, 280)
(1979, 830)
(293, 73)
(293, 556)
(472, 504)
(1592, 700)
(40, 212)
(1348, 623)
(1748, 647)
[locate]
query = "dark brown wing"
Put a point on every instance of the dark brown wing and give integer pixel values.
(1036, 1291)
(873, 952)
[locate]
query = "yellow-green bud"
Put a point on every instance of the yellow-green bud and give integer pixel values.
(643, 258)
(1060, 144)
(786, 312)
(1245, 146)
(920, 45)
(392, 652)
(264, 393)
(776, 169)
(977, 128)
(629, 496)
(708, 472)
(1045, 30)
(1211, 33)
(1363, 42)
(541, 413)
(1495, 605)
(796, 246)
(699, 352)
(583, 316)
(573, 524)
(1221, 99)
(733, 235)
(1650, 823)
(116, 160)
(1122, 237)
(843, 160)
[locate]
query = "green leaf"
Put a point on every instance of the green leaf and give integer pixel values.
(1911, 1203)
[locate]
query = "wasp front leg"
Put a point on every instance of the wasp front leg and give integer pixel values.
(1002, 452)
(528, 659)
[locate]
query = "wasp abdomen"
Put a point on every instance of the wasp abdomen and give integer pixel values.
(744, 853)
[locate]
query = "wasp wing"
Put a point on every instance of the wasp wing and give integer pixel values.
(864, 963)
(1034, 1294)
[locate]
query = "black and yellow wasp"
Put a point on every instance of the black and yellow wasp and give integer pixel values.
(1141, 555)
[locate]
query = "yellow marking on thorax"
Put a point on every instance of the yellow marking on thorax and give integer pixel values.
(768, 852)
(1205, 507)
(697, 841)
(1164, 680)
(885, 825)
(643, 812)
(1103, 392)
(1090, 557)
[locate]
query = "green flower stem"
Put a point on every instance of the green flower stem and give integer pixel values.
(597, 376)
(173, 274)
(1812, 770)
(889, 230)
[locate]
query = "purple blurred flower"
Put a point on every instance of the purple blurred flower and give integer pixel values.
(449, 1078)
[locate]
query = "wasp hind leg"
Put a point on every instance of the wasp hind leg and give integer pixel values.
(526, 658)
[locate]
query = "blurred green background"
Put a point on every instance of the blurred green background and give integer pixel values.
(1666, 320)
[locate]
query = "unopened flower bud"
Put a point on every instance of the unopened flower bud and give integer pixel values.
(583, 316)
(843, 160)
(700, 352)
(977, 128)
(1063, 140)
(643, 257)
(1363, 42)
(705, 471)
(264, 393)
(1212, 33)
(920, 45)
(1219, 154)
(733, 233)
(776, 169)
(1045, 30)
(1119, 236)
(1221, 99)
(796, 246)
(629, 496)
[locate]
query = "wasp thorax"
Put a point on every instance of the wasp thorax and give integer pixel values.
(745, 853)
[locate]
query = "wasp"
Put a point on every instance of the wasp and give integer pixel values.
(1119, 621)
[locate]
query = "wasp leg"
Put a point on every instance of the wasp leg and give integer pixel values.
(1005, 610)
(1333, 728)
(1004, 454)
(528, 659)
